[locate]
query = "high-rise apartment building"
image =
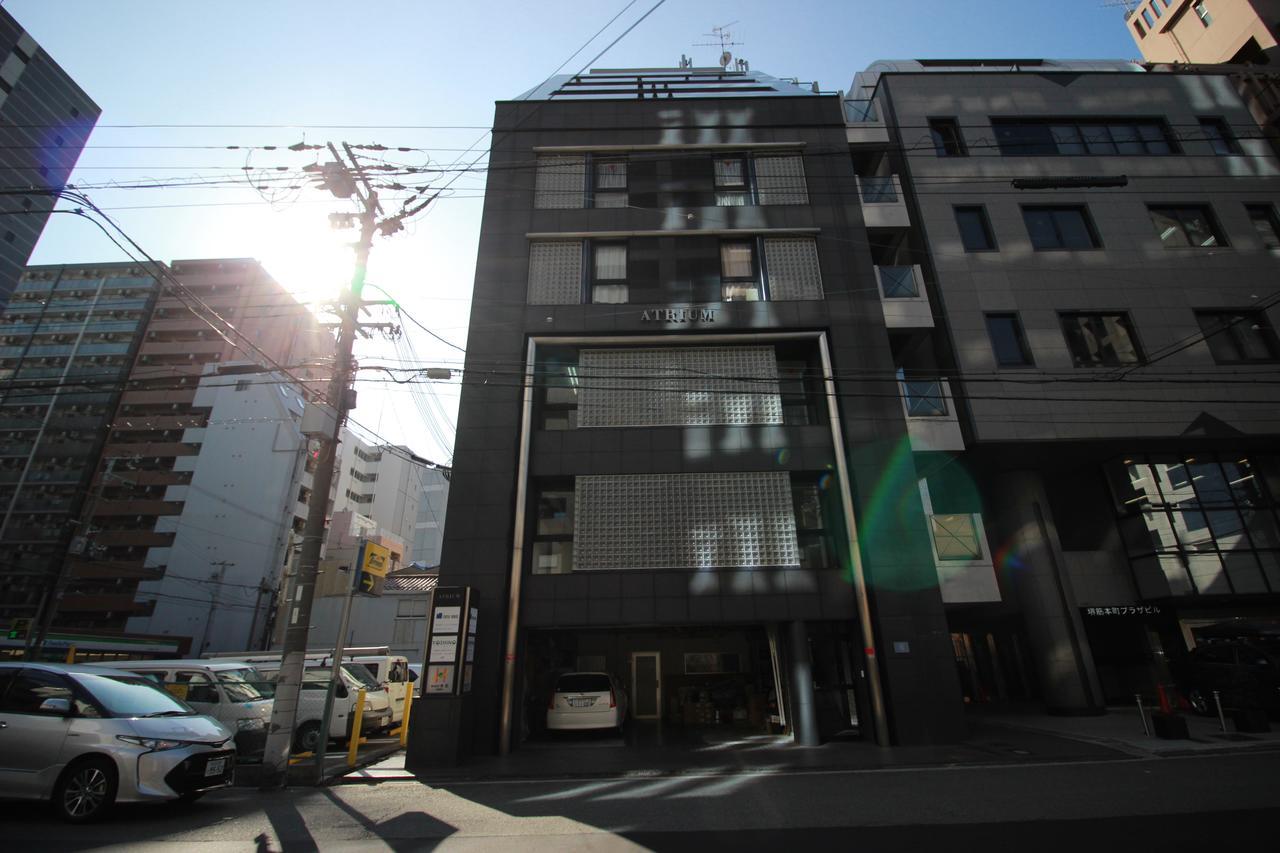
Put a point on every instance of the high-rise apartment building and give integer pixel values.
(957, 388)
(68, 338)
(45, 121)
(140, 427)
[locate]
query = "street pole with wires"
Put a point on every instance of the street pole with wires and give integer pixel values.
(344, 182)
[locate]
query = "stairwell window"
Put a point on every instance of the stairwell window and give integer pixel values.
(739, 281)
(1060, 228)
(609, 273)
(947, 140)
(609, 184)
(1219, 136)
(1185, 225)
(732, 185)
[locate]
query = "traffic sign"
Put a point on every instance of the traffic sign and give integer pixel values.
(371, 576)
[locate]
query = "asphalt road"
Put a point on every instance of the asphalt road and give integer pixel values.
(1166, 804)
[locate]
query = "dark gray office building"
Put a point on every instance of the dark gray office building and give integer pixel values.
(683, 454)
(45, 121)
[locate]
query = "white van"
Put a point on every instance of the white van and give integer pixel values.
(382, 676)
(232, 692)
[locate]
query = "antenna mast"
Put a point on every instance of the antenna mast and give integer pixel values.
(724, 40)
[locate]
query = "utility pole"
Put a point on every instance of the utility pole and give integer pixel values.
(219, 573)
(344, 182)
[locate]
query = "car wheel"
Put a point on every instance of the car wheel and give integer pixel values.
(86, 791)
(307, 737)
(1199, 702)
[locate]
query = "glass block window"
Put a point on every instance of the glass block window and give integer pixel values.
(555, 272)
(561, 181)
(780, 179)
(792, 263)
(690, 386)
(684, 521)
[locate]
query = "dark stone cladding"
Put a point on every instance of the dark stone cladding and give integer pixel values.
(924, 702)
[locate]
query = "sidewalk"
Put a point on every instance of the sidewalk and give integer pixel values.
(652, 752)
(1121, 728)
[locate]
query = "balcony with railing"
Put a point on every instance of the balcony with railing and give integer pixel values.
(903, 297)
(883, 205)
(862, 122)
(932, 422)
(961, 554)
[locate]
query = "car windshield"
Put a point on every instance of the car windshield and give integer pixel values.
(583, 682)
(361, 673)
(133, 696)
(245, 685)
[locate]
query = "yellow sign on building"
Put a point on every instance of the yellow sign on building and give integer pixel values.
(377, 559)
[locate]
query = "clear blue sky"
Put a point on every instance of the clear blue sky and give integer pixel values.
(413, 62)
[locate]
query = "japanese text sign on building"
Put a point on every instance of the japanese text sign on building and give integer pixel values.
(1124, 610)
(450, 642)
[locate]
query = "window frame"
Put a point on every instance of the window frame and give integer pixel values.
(596, 190)
(1218, 133)
(1130, 330)
(1267, 212)
(1054, 210)
(942, 147)
(757, 277)
(1227, 323)
(593, 278)
(1205, 209)
(1202, 13)
(536, 537)
(746, 191)
(1018, 336)
(983, 220)
(1009, 146)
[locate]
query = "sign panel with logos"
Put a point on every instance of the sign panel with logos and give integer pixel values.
(450, 645)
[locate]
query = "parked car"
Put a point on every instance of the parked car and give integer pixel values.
(1245, 674)
(233, 693)
(315, 684)
(586, 700)
(86, 738)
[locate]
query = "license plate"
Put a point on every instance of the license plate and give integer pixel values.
(215, 767)
(581, 703)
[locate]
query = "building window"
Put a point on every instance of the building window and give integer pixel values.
(813, 532)
(609, 187)
(1202, 13)
(1007, 341)
(947, 140)
(412, 607)
(555, 272)
(779, 179)
(738, 279)
(1146, 16)
(1263, 217)
(975, 230)
(1101, 340)
(553, 534)
(1219, 136)
(1155, 8)
(560, 181)
(732, 189)
(1236, 337)
(1077, 137)
(609, 273)
(558, 377)
(1142, 32)
(955, 537)
(924, 397)
(1180, 226)
(1059, 228)
(792, 265)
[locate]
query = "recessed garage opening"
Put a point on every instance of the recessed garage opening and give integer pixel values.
(713, 681)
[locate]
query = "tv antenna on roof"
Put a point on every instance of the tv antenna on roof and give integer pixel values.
(723, 40)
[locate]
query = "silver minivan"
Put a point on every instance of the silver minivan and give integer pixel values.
(234, 694)
(85, 738)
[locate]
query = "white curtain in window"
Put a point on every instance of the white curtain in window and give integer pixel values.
(611, 261)
(730, 172)
(735, 261)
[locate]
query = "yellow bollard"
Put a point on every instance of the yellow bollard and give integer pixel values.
(71, 655)
(404, 721)
(353, 745)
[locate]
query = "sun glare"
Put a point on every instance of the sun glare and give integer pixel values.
(310, 259)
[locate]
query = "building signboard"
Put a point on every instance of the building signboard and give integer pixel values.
(450, 645)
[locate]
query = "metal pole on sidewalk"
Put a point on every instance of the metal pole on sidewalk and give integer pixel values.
(335, 674)
(1222, 720)
(1142, 713)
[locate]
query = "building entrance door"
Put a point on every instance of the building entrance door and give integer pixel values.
(646, 685)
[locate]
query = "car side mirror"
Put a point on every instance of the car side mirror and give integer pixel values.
(340, 690)
(55, 705)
